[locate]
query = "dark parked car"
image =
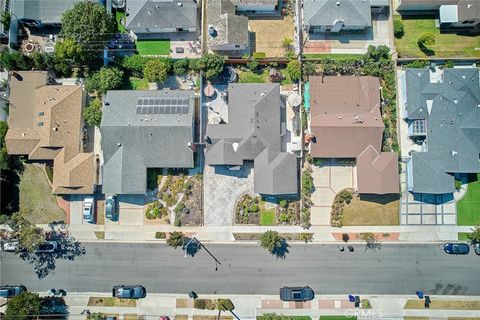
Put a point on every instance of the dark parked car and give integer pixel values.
(456, 248)
(476, 248)
(11, 291)
(129, 292)
(111, 207)
(296, 294)
(47, 247)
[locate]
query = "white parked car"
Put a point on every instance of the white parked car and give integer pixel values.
(8, 245)
(89, 210)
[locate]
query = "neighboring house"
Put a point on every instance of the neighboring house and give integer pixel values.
(45, 123)
(346, 122)
(227, 32)
(254, 133)
(453, 15)
(340, 15)
(4, 7)
(141, 130)
(162, 19)
(443, 113)
(255, 6)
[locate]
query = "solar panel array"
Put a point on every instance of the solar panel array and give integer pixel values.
(171, 105)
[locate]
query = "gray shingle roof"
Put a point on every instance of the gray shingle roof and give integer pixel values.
(453, 129)
(133, 142)
(230, 28)
(44, 10)
(327, 12)
(162, 15)
(253, 133)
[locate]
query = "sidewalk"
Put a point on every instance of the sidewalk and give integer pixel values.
(251, 306)
(321, 234)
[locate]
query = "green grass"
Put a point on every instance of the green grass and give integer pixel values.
(133, 83)
(267, 217)
(36, 197)
(337, 318)
(120, 18)
(292, 317)
(446, 46)
(153, 47)
(468, 213)
(251, 77)
(463, 236)
(339, 56)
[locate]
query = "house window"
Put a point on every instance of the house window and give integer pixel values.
(419, 127)
(468, 21)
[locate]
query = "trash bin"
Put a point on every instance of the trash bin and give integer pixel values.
(351, 298)
(419, 294)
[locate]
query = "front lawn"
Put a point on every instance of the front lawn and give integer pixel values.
(372, 210)
(444, 304)
(468, 213)
(153, 47)
(334, 56)
(446, 45)
(463, 236)
(133, 83)
(36, 198)
(267, 217)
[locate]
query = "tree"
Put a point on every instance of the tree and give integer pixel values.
(293, 70)
(180, 67)
(15, 61)
(225, 305)
(5, 19)
(398, 30)
(96, 316)
(93, 112)
(42, 60)
(176, 239)
(211, 64)
(309, 68)
(475, 235)
(23, 306)
(70, 49)
(135, 64)
(89, 24)
(4, 157)
(426, 40)
(157, 70)
(370, 240)
(107, 78)
(271, 240)
(29, 236)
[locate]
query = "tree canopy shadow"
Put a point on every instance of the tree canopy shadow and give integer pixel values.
(281, 251)
(67, 249)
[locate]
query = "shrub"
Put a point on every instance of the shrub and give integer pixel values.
(345, 237)
(199, 304)
(176, 239)
(398, 29)
(417, 64)
(160, 235)
(346, 196)
(283, 203)
(225, 305)
(283, 217)
(306, 237)
(258, 55)
(253, 208)
(287, 43)
(253, 65)
(271, 240)
(5, 20)
(449, 64)
(210, 304)
(293, 70)
(458, 184)
(426, 40)
(307, 183)
(135, 64)
(306, 218)
(177, 222)
(152, 213)
(107, 78)
(366, 304)
(211, 64)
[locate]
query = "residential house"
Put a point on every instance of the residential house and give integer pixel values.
(162, 19)
(453, 15)
(45, 123)
(346, 122)
(340, 15)
(442, 110)
(142, 130)
(254, 134)
(227, 32)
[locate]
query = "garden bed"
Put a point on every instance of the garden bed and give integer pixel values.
(254, 211)
(257, 236)
(111, 302)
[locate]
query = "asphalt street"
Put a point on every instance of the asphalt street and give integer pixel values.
(249, 269)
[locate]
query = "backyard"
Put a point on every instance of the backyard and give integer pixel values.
(266, 41)
(132, 83)
(261, 76)
(372, 210)
(153, 47)
(36, 198)
(446, 45)
(468, 206)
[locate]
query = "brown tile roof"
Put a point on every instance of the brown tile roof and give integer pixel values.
(347, 123)
(345, 116)
(45, 122)
(377, 173)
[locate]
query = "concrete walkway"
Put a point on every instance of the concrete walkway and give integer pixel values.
(251, 306)
(224, 234)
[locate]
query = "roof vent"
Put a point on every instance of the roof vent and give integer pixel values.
(454, 153)
(119, 144)
(55, 129)
(24, 134)
(149, 12)
(337, 4)
(452, 121)
(180, 4)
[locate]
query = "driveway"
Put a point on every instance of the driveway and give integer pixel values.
(329, 178)
(222, 187)
(130, 211)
